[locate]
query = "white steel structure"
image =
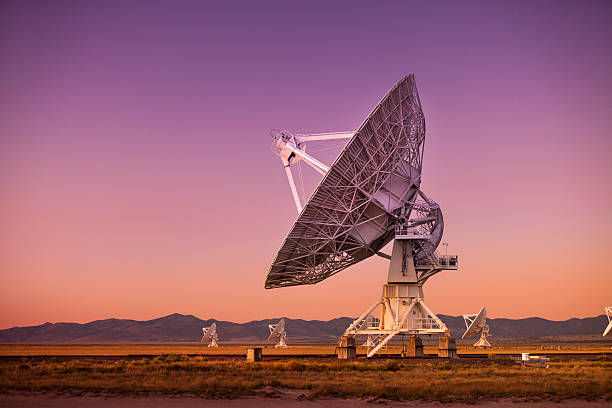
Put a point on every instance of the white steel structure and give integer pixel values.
(369, 343)
(609, 314)
(369, 197)
(477, 323)
(277, 331)
(210, 334)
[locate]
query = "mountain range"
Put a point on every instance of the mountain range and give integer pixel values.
(188, 328)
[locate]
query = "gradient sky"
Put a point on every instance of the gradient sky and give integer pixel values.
(136, 178)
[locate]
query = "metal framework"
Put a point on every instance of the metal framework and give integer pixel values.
(347, 218)
(609, 314)
(368, 197)
(369, 343)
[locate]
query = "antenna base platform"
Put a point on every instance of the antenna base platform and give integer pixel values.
(413, 347)
(447, 347)
(402, 310)
(482, 342)
(281, 343)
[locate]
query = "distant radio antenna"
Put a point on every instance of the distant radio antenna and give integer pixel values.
(210, 334)
(609, 314)
(477, 323)
(277, 331)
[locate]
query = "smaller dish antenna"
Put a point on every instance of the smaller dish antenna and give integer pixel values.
(609, 314)
(210, 334)
(477, 323)
(277, 331)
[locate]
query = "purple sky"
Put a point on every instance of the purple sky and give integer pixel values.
(136, 177)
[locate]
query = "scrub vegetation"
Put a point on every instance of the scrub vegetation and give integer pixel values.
(443, 380)
(292, 350)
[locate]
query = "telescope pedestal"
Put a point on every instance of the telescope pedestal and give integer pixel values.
(281, 343)
(402, 311)
(482, 342)
(413, 347)
(447, 347)
(346, 348)
(402, 308)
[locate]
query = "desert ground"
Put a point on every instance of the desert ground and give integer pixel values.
(239, 350)
(54, 400)
(167, 375)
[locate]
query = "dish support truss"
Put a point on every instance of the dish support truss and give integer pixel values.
(402, 308)
(291, 149)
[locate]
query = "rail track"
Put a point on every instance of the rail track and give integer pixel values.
(316, 357)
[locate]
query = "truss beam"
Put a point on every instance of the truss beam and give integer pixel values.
(324, 136)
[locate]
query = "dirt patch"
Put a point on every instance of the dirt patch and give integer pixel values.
(270, 397)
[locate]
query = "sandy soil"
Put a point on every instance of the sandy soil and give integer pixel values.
(281, 400)
(138, 350)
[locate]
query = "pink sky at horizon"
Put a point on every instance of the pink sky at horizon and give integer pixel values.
(137, 181)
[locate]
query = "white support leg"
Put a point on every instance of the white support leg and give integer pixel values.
(396, 331)
(433, 316)
(360, 319)
(296, 197)
(311, 161)
(390, 309)
(382, 343)
(411, 306)
(287, 146)
(324, 136)
(369, 342)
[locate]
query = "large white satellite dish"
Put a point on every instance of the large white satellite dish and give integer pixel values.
(367, 198)
(477, 323)
(609, 314)
(277, 331)
(210, 334)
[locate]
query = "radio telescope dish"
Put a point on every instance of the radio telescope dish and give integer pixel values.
(609, 314)
(277, 331)
(348, 218)
(369, 197)
(210, 334)
(477, 323)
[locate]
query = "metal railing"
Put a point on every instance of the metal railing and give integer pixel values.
(420, 323)
(372, 323)
(448, 260)
(405, 232)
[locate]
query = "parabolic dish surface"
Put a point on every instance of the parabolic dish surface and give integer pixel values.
(280, 328)
(477, 324)
(349, 217)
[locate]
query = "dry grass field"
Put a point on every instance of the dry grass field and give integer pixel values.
(437, 379)
(199, 349)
